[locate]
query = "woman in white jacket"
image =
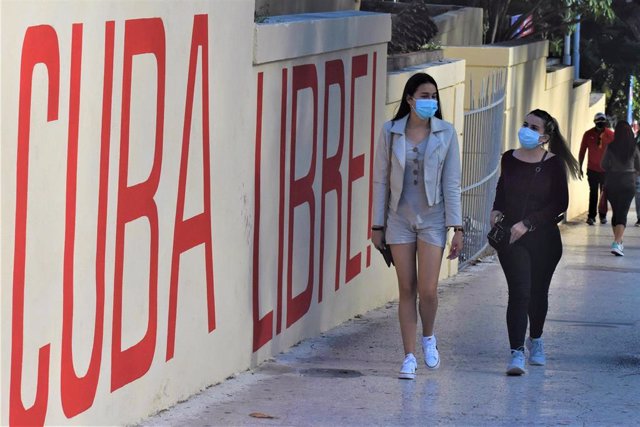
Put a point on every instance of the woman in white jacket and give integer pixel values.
(416, 197)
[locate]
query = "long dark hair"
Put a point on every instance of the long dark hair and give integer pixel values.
(557, 143)
(623, 144)
(410, 89)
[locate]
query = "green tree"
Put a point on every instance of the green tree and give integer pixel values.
(610, 53)
(610, 38)
(538, 19)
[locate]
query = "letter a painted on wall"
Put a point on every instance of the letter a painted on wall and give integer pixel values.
(196, 230)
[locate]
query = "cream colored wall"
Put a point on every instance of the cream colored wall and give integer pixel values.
(574, 109)
(96, 254)
(530, 85)
(55, 306)
(586, 105)
(360, 57)
(174, 253)
(450, 75)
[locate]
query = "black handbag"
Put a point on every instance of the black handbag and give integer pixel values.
(500, 234)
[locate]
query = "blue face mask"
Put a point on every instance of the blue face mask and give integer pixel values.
(529, 138)
(426, 108)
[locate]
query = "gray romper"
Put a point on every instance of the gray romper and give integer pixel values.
(415, 219)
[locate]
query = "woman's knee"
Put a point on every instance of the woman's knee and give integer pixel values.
(519, 294)
(519, 303)
(429, 294)
(407, 291)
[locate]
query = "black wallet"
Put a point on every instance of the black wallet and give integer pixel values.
(386, 254)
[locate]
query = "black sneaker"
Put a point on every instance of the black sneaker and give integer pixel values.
(591, 221)
(603, 220)
(638, 223)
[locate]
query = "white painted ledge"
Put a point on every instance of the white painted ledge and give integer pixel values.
(284, 37)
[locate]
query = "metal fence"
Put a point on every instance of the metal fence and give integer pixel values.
(483, 124)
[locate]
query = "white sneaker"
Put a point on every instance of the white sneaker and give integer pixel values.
(516, 366)
(431, 355)
(536, 351)
(617, 249)
(408, 370)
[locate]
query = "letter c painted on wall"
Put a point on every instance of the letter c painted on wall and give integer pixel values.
(40, 46)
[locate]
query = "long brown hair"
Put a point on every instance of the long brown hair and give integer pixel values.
(623, 144)
(557, 143)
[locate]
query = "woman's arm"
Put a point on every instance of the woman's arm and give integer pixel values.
(381, 165)
(499, 201)
(451, 182)
(452, 192)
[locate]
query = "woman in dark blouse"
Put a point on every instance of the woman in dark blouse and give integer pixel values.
(531, 195)
(621, 163)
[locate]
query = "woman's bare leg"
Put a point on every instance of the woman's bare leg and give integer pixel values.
(429, 261)
(404, 257)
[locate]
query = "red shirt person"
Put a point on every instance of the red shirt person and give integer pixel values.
(594, 144)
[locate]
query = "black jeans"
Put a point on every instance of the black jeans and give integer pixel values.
(596, 187)
(528, 266)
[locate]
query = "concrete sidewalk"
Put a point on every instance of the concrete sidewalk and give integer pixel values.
(348, 375)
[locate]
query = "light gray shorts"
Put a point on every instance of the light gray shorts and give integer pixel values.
(429, 227)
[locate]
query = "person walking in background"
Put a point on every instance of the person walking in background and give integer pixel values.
(416, 197)
(531, 195)
(594, 143)
(636, 133)
(621, 163)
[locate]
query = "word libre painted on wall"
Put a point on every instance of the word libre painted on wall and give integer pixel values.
(301, 191)
(147, 36)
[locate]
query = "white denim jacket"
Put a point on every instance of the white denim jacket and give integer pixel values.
(442, 171)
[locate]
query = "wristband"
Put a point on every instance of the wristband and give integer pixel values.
(460, 229)
(377, 228)
(528, 224)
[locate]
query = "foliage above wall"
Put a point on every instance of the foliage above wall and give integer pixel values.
(537, 19)
(610, 37)
(412, 28)
(611, 53)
